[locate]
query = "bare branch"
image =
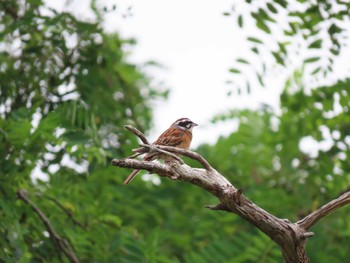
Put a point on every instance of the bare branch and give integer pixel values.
(306, 235)
(217, 207)
(188, 153)
(137, 133)
(328, 208)
(59, 242)
(134, 155)
(290, 237)
(66, 211)
(156, 148)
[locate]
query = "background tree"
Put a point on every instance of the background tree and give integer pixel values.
(287, 36)
(66, 91)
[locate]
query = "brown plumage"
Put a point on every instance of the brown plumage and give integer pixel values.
(179, 134)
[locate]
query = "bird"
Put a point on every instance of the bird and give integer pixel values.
(179, 134)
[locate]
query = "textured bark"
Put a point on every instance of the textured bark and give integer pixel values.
(290, 237)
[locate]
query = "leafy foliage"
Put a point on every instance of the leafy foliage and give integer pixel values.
(66, 91)
(291, 35)
(267, 160)
(242, 247)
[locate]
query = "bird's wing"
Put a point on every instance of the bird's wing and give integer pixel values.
(171, 137)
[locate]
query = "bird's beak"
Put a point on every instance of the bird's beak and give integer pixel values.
(194, 124)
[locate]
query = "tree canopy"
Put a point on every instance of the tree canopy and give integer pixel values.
(66, 92)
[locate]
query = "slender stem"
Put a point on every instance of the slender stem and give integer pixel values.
(157, 149)
(137, 133)
(66, 211)
(60, 243)
(188, 153)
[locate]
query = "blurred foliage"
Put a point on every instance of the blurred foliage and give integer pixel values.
(266, 158)
(67, 90)
(290, 35)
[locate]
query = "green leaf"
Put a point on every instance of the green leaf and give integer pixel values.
(243, 61)
(335, 51)
(235, 71)
(315, 71)
(311, 60)
(278, 58)
(248, 88)
(262, 25)
(264, 15)
(316, 44)
(271, 7)
(260, 79)
(255, 40)
(282, 3)
(111, 220)
(255, 50)
(240, 21)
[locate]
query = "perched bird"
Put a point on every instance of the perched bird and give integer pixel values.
(179, 134)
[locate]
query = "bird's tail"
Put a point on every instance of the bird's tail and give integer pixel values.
(131, 176)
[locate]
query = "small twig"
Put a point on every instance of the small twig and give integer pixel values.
(59, 242)
(307, 235)
(217, 207)
(12, 12)
(152, 167)
(134, 155)
(67, 212)
(137, 133)
(328, 208)
(156, 148)
(188, 153)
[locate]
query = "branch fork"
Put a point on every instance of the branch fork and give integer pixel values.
(290, 237)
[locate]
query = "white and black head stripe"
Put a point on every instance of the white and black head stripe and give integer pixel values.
(185, 123)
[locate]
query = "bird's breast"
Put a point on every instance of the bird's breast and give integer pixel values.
(186, 141)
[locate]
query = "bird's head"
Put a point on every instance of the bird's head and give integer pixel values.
(185, 124)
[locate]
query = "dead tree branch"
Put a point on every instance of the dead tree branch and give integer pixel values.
(156, 148)
(290, 237)
(187, 153)
(60, 243)
(137, 133)
(308, 221)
